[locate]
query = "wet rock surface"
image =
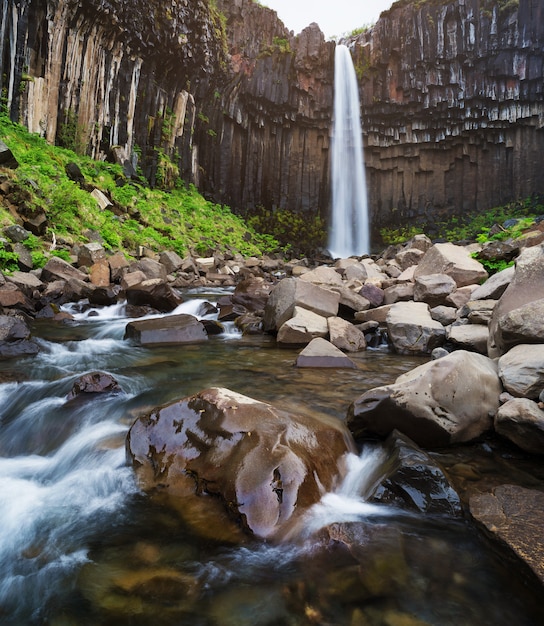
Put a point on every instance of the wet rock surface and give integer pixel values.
(260, 465)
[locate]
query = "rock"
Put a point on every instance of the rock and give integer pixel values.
(171, 261)
(74, 173)
(469, 337)
(154, 293)
(15, 338)
(444, 314)
(24, 257)
(495, 285)
(412, 330)
(104, 296)
(345, 336)
(27, 282)
(94, 382)
(447, 401)
(402, 292)
(513, 515)
(414, 481)
(350, 302)
(118, 266)
(526, 286)
(292, 292)
(433, 288)
(407, 258)
(12, 297)
(152, 269)
(99, 274)
(524, 324)
(460, 296)
(379, 314)
(7, 159)
(101, 199)
(16, 233)
(323, 275)
(131, 279)
(59, 269)
(302, 327)
(372, 293)
(264, 467)
(322, 353)
(170, 330)
(455, 261)
(522, 370)
(252, 294)
(90, 253)
(522, 422)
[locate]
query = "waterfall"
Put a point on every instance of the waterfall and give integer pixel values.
(349, 232)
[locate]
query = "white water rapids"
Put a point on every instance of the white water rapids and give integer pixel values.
(63, 468)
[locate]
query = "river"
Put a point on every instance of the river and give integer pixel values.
(81, 545)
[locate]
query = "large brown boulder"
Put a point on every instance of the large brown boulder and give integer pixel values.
(522, 421)
(513, 514)
(526, 286)
(412, 330)
(447, 401)
(262, 465)
(155, 293)
(170, 330)
(292, 292)
(455, 261)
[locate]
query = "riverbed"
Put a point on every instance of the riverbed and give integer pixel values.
(82, 545)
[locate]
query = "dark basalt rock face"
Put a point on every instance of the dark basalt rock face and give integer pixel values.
(451, 97)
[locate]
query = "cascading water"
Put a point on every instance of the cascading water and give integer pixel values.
(349, 231)
(80, 544)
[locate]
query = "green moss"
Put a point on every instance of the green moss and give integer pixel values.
(175, 217)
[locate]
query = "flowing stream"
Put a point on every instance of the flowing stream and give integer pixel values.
(349, 231)
(81, 545)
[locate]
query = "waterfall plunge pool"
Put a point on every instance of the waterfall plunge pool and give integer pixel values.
(81, 545)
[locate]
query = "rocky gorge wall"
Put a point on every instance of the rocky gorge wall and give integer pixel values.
(451, 95)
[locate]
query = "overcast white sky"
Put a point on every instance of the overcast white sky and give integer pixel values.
(335, 17)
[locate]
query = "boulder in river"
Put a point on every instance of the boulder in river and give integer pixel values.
(170, 330)
(412, 330)
(450, 400)
(262, 465)
(94, 382)
(15, 339)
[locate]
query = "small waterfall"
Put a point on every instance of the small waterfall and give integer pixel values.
(349, 231)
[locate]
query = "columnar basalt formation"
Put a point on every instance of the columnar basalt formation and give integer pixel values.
(452, 98)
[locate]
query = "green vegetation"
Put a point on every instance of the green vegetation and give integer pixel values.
(179, 219)
(279, 44)
(298, 234)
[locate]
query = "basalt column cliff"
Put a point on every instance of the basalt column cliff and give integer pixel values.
(452, 98)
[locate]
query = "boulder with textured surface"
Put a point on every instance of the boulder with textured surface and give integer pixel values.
(524, 324)
(155, 293)
(513, 515)
(15, 338)
(412, 330)
(433, 288)
(522, 370)
(94, 382)
(526, 286)
(263, 466)
(304, 326)
(170, 330)
(455, 261)
(522, 421)
(495, 285)
(322, 353)
(293, 292)
(469, 337)
(450, 400)
(345, 335)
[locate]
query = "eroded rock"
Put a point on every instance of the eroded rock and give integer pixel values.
(262, 465)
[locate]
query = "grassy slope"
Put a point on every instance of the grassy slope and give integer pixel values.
(180, 219)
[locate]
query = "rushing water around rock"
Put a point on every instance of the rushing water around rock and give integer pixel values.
(349, 231)
(80, 544)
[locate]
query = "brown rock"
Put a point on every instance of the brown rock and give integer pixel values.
(261, 465)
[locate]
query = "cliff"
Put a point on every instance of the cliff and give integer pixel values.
(451, 95)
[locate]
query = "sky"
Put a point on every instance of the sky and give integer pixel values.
(335, 17)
